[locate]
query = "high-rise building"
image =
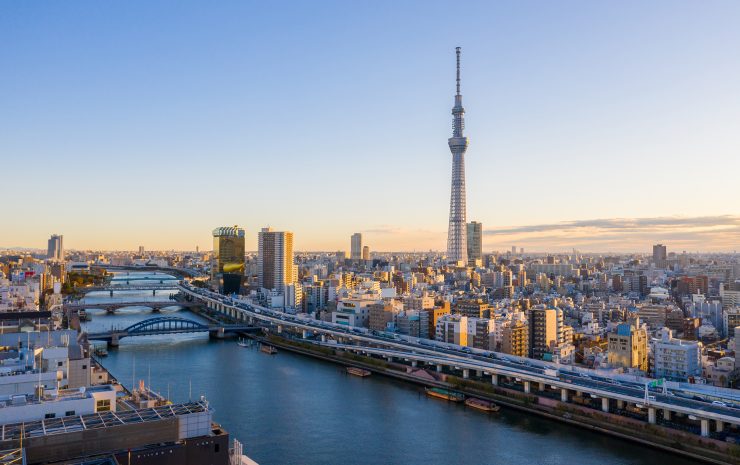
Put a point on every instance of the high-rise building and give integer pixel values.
(546, 331)
(356, 247)
(513, 250)
(365, 253)
(275, 268)
(55, 249)
(141, 250)
(475, 243)
(227, 268)
(660, 255)
(457, 249)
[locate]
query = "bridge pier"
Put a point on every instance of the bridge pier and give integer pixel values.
(466, 373)
(439, 367)
(651, 415)
(280, 329)
(479, 373)
(620, 404)
(494, 379)
(304, 334)
(542, 386)
(666, 414)
(414, 363)
(605, 404)
(563, 395)
(113, 341)
(323, 338)
(111, 293)
(720, 426)
(704, 427)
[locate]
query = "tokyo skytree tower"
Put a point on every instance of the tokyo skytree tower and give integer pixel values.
(457, 250)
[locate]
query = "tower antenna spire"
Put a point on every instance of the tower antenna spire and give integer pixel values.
(457, 50)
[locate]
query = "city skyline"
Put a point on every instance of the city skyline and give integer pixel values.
(605, 158)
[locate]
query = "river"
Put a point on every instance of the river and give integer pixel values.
(292, 409)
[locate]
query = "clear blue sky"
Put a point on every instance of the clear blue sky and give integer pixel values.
(152, 122)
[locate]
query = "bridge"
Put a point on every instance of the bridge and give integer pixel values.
(180, 272)
(111, 307)
(617, 394)
(168, 325)
(111, 288)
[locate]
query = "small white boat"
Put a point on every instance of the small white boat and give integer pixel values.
(242, 343)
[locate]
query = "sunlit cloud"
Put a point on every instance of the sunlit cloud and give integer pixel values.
(705, 233)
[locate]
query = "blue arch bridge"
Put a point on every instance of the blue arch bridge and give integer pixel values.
(169, 325)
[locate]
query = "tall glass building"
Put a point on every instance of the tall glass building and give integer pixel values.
(227, 268)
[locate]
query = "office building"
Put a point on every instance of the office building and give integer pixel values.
(55, 249)
(481, 333)
(227, 268)
(365, 253)
(475, 243)
(660, 255)
(275, 268)
(628, 347)
(356, 247)
(457, 249)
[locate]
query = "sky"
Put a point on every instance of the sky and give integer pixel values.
(601, 126)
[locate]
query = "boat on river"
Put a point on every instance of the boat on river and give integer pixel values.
(242, 343)
(268, 349)
(445, 394)
(358, 372)
(482, 404)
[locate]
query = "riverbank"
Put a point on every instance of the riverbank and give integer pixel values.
(656, 436)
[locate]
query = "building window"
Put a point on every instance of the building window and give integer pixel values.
(102, 405)
(216, 448)
(60, 364)
(50, 415)
(69, 413)
(84, 367)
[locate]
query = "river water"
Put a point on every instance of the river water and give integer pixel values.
(292, 409)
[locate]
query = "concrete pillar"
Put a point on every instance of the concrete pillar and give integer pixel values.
(579, 394)
(705, 428)
(542, 386)
(323, 338)
(651, 415)
(620, 404)
(478, 373)
(605, 404)
(466, 373)
(666, 414)
(414, 363)
(304, 334)
(280, 329)
(439, 367)
(494, 379)
(720, 426)
(389, 358)
(563, 395)
(526, 386)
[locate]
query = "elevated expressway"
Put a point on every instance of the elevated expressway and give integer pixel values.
(614, 391)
